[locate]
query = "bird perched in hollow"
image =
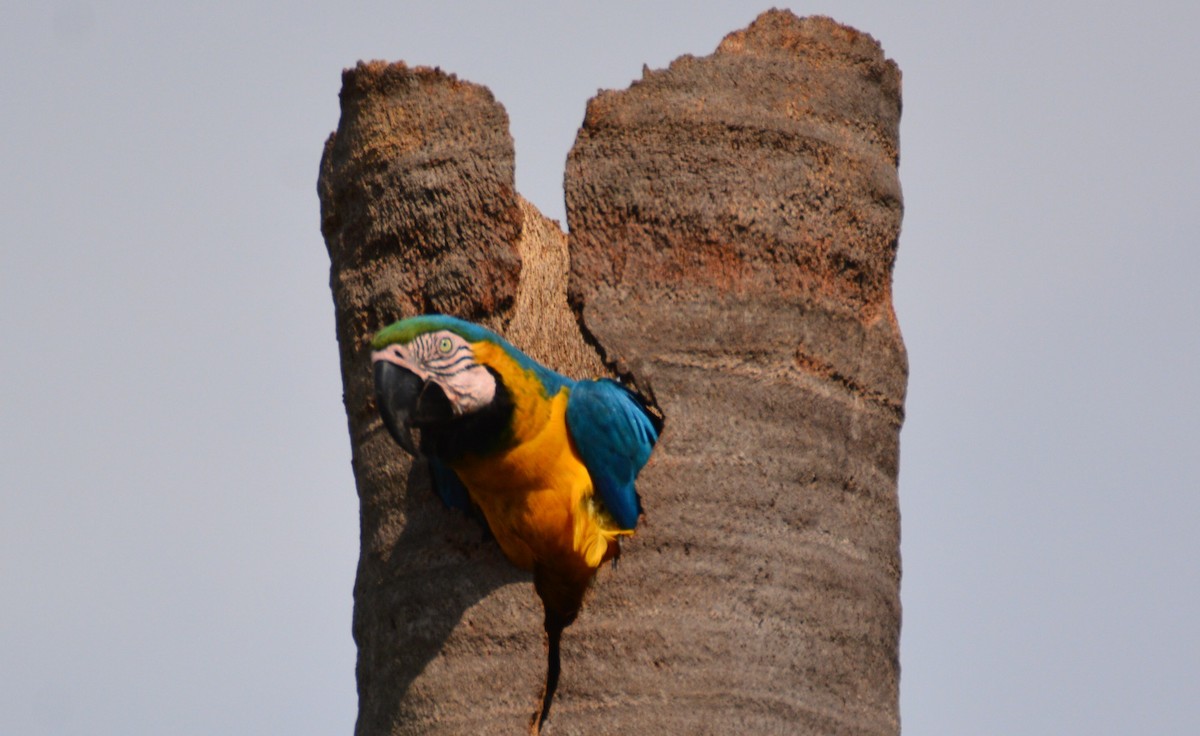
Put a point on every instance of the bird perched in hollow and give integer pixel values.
(549, 461)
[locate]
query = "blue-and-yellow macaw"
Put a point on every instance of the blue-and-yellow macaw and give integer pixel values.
(549, 461)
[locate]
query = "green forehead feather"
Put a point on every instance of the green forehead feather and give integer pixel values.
(406, 329)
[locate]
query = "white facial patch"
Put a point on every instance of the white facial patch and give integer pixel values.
(447, 360)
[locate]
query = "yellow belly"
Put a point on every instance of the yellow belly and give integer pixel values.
(538, 496)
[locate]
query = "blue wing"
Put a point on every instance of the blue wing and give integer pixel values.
(449, 488)
(454, 494)
(614, 434)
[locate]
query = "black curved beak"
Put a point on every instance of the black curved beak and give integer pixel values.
(396, 393)
(405, 401)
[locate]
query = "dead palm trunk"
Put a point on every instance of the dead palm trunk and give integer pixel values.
(734, 222)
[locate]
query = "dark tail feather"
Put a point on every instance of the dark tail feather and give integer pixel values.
(562, 596)
(553, 667)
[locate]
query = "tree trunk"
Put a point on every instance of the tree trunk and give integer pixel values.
(733, 221)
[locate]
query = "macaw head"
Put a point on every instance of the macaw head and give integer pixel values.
(427, 375)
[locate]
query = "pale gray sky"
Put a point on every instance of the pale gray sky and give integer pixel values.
(178, 529)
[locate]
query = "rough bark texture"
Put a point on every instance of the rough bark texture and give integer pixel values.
(419, 214)
(734, 221)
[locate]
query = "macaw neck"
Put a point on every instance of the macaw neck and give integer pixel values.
(517, 369)
(518, 412)
(478, 433)
(530, 388)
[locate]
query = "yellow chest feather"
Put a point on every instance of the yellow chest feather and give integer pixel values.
(537, 495)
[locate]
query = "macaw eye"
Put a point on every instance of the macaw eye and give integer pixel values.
(445, 345)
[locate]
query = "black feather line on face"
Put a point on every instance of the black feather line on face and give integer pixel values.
(481, 432)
